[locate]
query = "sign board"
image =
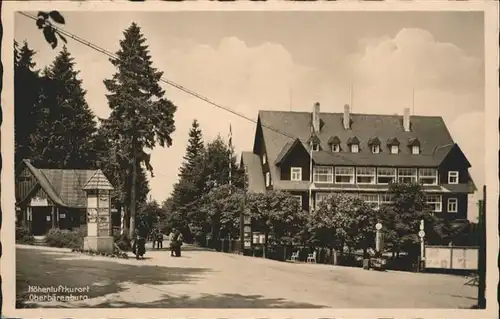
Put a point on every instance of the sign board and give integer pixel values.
(442, 257)
(247, 243)
(91, 229)
(421, 234)
(247, 229)
(378, 226)
(62, 215)
(48, 218)
(39, 202)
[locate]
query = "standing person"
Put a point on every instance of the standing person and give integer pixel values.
(153, 237)
(173, 241)
(159, 239)
(179, 244)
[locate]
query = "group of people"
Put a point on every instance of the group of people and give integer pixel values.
(139, 247)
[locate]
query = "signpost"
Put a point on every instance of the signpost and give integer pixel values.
(421, 234)
(378, 237)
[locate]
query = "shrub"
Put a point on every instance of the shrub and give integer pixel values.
(24, 236)
(65, 238)
(122, 241)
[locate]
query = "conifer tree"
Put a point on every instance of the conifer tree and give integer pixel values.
(141, 117)
(66, 127)
(26, 89)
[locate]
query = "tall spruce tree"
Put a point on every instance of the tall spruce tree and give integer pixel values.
(141, 117)
(188, 191)
(66, 129)
(26, 89)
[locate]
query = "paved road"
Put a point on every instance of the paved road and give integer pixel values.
(206, 279)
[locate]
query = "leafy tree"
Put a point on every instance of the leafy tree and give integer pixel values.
(401, 219)
(219, 213)
(343, 220)
(65, 133)
(141, 117)
(26, 89)
(275, 213)
(217, 165)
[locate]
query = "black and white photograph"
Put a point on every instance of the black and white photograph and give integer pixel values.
(273, 159)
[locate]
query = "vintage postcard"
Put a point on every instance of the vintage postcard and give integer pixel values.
(335, 160)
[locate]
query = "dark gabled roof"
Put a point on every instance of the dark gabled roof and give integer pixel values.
(334, 140)
(352, 140)
(393, 141)
(253, 168)
(373, 141)
(287, 149)
(64, 186)
(430, 130)
(413, 141)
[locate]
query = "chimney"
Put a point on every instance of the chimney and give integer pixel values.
(315, 118)
(406, 119)
(347, 118)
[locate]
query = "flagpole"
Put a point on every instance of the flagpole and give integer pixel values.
(310, 170)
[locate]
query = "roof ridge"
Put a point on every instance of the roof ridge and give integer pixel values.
(352, 114)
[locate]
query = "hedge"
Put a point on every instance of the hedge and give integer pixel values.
(65, 238)
(24, 236)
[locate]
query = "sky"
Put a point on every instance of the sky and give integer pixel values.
(251, 61)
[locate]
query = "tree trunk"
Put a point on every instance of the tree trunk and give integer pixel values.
(266, 236)
(133, 190)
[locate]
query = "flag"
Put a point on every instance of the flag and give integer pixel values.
(230, 155)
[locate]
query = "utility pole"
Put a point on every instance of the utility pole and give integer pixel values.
(242, 214)
(481, 298)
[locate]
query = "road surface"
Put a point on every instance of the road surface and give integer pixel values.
(207, 279)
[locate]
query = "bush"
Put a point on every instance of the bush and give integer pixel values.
(24, 236)
(122, 241)
(65, 238)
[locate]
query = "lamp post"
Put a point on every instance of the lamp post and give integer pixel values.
(421, 234)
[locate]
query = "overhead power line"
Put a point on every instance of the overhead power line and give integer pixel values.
(167, 81)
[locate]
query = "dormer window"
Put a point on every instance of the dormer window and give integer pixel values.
(353, 143)
(315, 142)
(393, 145)
(334, 143)
(374, 144)
(414, 144)
(264, 159)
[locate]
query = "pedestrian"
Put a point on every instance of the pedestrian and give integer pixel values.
(173, 241)
(152, 237)
(139, 247)
(159, 239)
(180, 239)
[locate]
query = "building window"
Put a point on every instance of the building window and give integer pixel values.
(370, 199)
(386, 175)
(365, 175)
(299, 198)
(264, 159)
(344, 175)
(452, 205)
(385, 199)
(335, 148)
(323, 174)
(453, 177)
(375, 149)
(354, 148)
(394, 149)
(407, 175)
(428, 176)
(296, 173)
(435, 202)
(319, 198)
(315, 147)
(268, 180)
(415, 149)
